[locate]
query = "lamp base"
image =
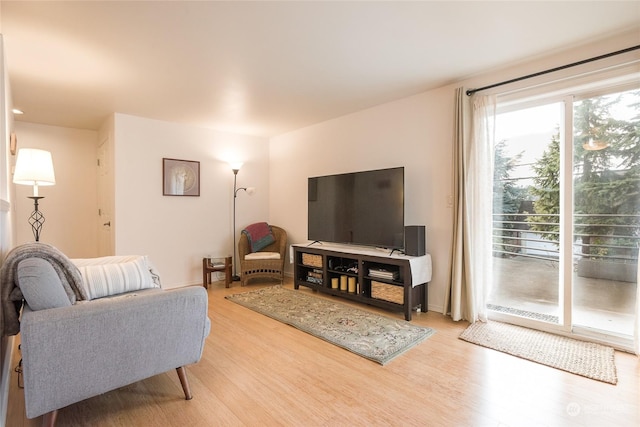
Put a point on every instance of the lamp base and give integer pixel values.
(36, 219)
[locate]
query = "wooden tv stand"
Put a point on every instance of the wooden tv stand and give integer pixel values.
(365, 275)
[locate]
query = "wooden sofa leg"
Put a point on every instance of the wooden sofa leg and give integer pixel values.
(182, 374)
(49, 419)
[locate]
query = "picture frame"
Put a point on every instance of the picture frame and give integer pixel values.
(180, 177)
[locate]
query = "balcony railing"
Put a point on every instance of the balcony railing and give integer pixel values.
(602, 236)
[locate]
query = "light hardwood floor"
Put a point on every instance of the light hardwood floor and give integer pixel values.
(257, 371)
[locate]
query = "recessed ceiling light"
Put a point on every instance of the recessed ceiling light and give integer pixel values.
(17, 111)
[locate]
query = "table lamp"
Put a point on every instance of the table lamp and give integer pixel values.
(34, 167)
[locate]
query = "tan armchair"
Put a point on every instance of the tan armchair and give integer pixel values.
(263, 268)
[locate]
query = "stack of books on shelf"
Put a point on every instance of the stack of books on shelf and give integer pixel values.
(381, 273)
(315, 276)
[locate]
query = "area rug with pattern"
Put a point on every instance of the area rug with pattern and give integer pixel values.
(583, 358)
(370, 335)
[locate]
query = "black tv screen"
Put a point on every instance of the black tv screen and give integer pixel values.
(360, 208)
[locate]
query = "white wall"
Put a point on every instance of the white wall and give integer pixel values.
(178, 231)
(7, 233)
(7, 160)
(70, 206)
(414, 132)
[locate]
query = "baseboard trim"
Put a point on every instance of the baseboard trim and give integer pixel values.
(435, 308)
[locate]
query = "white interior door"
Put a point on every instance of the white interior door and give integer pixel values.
(105, 222)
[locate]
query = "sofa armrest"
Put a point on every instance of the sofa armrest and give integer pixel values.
(73, 353)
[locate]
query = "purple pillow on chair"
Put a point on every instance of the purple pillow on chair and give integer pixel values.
(259, 235)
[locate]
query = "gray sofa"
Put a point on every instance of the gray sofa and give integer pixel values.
(78, 350)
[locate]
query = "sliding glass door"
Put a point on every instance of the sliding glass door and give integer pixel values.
(566, 213)
(526, 250)
(606, 210)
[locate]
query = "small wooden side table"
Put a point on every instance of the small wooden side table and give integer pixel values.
(209, 266)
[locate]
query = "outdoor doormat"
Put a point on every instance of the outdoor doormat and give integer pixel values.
(590, 360)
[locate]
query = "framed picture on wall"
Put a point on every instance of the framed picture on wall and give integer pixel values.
(180, 177)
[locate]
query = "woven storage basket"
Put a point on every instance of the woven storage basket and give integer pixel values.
(384, 291)
(312, 260)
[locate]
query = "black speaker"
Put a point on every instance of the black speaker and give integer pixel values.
(415, 241)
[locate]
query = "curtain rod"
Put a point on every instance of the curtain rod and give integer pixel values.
(551, 70)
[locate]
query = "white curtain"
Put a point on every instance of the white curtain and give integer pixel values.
(470, 278)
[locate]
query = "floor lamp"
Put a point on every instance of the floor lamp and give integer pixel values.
(34, 167)
(235, 167)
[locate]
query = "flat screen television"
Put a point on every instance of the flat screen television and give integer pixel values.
(361, 208)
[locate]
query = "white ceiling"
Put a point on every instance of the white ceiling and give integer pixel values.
(264, 68)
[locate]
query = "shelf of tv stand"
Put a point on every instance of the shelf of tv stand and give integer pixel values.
(322, 266)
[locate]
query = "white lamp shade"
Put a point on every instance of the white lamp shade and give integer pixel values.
(34, 167)
(235, 165)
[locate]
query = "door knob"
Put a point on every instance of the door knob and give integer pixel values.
(107, 224)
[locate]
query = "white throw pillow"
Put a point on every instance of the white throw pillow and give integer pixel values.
(114, 275)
